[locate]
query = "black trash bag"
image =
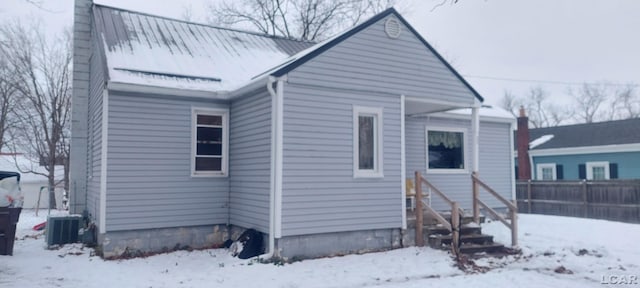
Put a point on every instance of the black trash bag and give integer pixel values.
(249, 244)
(227, 244)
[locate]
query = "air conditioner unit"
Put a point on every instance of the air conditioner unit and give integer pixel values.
(62, 229)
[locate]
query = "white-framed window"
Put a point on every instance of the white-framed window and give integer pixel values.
(367, 142)
(598, 170)
(546, 171)
(210, 142)
(446, 150)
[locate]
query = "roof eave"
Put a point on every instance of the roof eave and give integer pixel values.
(166, 91)
(249, 87)
(615, 148)
(487, 118)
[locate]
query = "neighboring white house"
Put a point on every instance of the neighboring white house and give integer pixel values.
(31, 183)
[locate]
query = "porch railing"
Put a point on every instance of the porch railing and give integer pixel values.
(511, 205)
(453, 226)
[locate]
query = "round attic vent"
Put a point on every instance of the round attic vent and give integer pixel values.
(392, 28)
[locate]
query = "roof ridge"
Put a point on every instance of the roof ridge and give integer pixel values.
(361, 26)
(202, 24)
(330, 42)
(586, 124)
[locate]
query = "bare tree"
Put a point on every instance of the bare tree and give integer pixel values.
(536, 106)
(558, 115)
(510, 103)
(626, 102)
(442, 2)
(541, 112)
(8, 100)
(187, 13)
(588, 100)
(43, 80)
(308, 20)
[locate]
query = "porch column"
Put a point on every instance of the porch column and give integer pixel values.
(475, 138)
(475, 151)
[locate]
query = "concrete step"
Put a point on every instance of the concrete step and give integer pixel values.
(440, 240)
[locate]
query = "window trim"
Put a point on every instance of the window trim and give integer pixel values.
(378, 170)
(465, 155)
(195, 111)
(541, 166)
(590, 165)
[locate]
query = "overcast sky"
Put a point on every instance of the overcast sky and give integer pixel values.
(496, 45)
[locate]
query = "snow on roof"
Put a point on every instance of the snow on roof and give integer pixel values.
(485, 111)
(540, 140)
(8, 163)
(152, 50)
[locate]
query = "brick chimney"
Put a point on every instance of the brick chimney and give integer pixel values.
(522, 138)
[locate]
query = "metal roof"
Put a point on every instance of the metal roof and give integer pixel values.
(158, 51)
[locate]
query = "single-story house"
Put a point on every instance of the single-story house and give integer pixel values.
(591, 151)
(34, 186)
(185, 133)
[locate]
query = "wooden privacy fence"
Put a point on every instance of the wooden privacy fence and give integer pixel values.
(617, 200)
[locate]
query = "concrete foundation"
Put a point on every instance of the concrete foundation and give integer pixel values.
(115, 243)
(340, 243)
(118, 243)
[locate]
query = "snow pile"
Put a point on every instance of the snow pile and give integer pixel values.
(557, 252)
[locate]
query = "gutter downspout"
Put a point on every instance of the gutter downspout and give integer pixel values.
(403, 167)
(514, 177)
(275, 199)
(531, 166)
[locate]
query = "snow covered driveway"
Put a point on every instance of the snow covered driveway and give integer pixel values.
(557, 252)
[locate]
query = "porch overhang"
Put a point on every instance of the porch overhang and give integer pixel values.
(420, 106)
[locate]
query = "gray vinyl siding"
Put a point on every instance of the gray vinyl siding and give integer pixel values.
(149, 182)
(495, 159)
(320, 194)
(94, 132)
(94, 137)
(250, 161)
(371, 61)
(494, 169)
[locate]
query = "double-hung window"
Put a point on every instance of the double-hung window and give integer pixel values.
(367, 142)
(546, 171)
(598, 170)
(210, 147)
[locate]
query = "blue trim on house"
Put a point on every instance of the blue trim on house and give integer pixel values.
(627, 163)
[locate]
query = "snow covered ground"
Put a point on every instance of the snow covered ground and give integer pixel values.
(587, 249)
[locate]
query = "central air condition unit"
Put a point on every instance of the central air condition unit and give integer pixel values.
(62, 229)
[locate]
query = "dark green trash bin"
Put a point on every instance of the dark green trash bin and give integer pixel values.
(8, 220)
(9, 216)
